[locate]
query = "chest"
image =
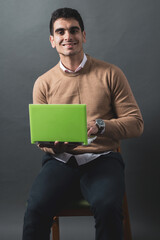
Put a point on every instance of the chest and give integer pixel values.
(94, 93)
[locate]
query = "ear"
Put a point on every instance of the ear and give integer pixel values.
(84, 36)
(51, 39)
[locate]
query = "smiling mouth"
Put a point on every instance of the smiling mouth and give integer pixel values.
(69, 44)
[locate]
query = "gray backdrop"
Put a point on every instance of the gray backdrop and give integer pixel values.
(125, 33)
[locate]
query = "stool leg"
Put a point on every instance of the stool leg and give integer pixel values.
(126, 221)
(55, 229)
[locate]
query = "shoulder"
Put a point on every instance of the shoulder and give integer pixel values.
(49, 75)
(104, 65)
(109, 73)
(106, 69)
(47, 80)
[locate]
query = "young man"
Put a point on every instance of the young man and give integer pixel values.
(112, 114)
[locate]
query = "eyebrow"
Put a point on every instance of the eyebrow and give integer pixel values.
(71, 28)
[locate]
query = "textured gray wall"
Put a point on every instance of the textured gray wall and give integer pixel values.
(125, 33)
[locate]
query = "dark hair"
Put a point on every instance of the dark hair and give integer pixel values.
(65, 13)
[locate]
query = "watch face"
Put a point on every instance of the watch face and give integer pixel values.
(100, 124)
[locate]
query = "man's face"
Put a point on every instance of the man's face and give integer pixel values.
(67, 37)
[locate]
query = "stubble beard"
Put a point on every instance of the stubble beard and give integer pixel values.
(70, 53)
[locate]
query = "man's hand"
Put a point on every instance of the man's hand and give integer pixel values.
(59, 147)
(92, 128)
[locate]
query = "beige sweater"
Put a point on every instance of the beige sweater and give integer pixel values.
(107, 94)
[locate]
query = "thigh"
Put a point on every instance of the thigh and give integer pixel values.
(103, 180)
(52, 187)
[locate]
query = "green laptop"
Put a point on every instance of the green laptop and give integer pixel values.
(58, 122)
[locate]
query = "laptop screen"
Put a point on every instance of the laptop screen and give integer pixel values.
(58, 122)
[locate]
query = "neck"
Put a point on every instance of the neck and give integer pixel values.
(72, 62)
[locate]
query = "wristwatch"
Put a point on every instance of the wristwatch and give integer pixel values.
(100, 124)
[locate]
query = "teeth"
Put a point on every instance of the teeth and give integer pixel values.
(68, 44)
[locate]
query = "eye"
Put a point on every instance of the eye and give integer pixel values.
(60, 32)
(74, 30)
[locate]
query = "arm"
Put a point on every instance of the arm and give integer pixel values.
(126, 120)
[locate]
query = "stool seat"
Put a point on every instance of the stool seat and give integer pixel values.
(77, 208)
(81, 203)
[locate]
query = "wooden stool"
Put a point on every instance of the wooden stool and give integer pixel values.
(82, 208)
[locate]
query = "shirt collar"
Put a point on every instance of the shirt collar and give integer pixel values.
(79, 67)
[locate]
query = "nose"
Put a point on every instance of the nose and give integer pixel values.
(68, 35)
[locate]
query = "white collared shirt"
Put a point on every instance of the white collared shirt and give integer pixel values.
(78, 68)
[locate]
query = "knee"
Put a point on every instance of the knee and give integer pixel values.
(106, 208)
(36, 205)
(32, 207)
(43, 205)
